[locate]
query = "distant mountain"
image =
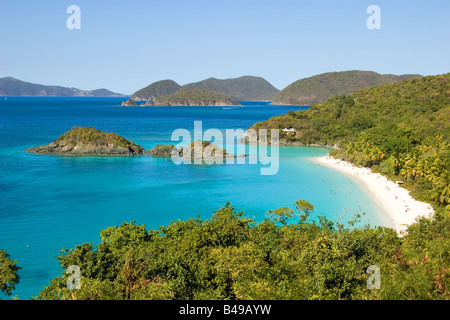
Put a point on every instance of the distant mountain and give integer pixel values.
(195, 97)
(247, 88)
(319, 88)
(14, 87)
(156, 90)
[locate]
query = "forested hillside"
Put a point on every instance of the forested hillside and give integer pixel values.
(247, 88)
(318, 88)
(401, 130)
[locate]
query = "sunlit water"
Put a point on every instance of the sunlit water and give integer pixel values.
(51, 202)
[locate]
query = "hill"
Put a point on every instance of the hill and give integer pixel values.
(319, 88)
(247, 88)
(156, 90)
(401, 130)
(195, 97)
(14, 87)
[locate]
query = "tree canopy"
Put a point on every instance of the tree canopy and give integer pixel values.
(9, 276)
(231, 257)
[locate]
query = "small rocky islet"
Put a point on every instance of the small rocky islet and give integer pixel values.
(88, 141)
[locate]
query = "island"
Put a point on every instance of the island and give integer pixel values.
(195, 97)
(129, 103)
(14, 87)
(87, 141)
(203, 150)
(246, 88)
(155, 90)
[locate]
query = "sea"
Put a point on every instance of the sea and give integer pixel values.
(50, 202)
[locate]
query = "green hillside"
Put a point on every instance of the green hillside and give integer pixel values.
(156, 90)
(319, 88)
(195, 97)
(247, 88)
(401, 130)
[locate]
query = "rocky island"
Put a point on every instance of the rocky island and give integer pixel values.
(129, 103)
(203, 150)
(87, 141)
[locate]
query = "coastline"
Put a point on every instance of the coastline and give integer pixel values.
(394, 200)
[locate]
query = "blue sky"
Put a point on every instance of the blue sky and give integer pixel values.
(126, 45)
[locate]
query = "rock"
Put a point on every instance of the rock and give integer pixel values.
(87, 141)
(129, 103)
(205, 150)
(148, 103)
(163, 151)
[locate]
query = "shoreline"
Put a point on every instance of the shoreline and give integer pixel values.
(395, 201)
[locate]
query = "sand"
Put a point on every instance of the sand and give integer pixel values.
(394, 200)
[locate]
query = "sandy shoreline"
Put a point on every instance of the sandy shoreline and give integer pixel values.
(394, 200)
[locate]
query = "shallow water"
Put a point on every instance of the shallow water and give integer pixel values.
(51, 202)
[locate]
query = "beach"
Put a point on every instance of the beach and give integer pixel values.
(394, 200)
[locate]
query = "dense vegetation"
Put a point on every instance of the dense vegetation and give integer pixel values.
(156, 90)
(247, 88)
(9, 276)
(195, 97)
(287, 256)
(401, 130)
(318, 88)
(92, 135)
(14, 87)
(89, 141)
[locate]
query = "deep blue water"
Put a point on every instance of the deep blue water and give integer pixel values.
(51, 202)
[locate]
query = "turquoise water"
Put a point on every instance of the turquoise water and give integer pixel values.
(51, 202)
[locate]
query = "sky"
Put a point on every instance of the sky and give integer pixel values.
(124, 45)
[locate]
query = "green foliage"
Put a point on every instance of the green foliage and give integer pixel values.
(245, 88)
(230, 257)
(195, 97)
(319, 88)
(400, 129)
(156, 90)
(94, 136)
(8, 273)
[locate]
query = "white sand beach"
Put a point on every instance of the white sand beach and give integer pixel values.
(395, 201)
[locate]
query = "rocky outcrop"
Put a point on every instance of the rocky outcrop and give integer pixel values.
(87, 141)
(148, 103)
(163, 151)
(129, 103)
(205, 151)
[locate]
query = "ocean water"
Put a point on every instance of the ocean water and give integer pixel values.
(49, 202)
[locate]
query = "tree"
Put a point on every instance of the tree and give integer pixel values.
(281, 215)
(8, 273)
(304, 207)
